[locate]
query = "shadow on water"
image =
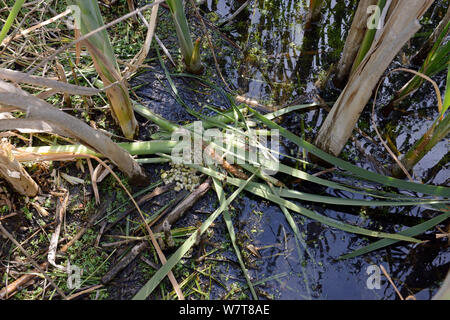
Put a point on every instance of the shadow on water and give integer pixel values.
(279, 63)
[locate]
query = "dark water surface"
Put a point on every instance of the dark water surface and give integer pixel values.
(278, 63)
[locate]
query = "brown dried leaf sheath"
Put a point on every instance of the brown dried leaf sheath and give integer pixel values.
(13, 172)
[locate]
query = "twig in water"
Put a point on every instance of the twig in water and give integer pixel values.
(156, 192)
(227, 21)
(122, 264)
(180, 209)
(391, 282)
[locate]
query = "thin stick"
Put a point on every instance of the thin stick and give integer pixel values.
(135, 251)
(137, 61)
(93, 181)
(391, 282)
(392, 154)
(60, 212)
(8, 216)
(20, 77)
(76, 295)
(227, 21)
(161, 45)
(184, 205)
(440, 107)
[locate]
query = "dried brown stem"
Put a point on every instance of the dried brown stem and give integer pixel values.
(12, 98)
(20, 77)
(187, 203)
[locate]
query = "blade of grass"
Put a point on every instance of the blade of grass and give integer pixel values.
(296, 172)
(298, 241)
(148, 288)
(9, 21)
(447, 92)
(289, 109)
(410, 232)
(436, 61)
(354, 169)
(326, 199)
(360, 172)
(436, 133)
(261, 191)
(226, 216)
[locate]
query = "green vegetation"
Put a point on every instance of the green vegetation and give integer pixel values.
(103, 55)
(318, 196)
(9, 22)
(189, 50)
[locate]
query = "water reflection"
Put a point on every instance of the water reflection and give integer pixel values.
(280, 52)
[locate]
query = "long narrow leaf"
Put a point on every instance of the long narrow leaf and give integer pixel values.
(148, 288)
(261, 191)
(229, 224)
(360, 172)
(410, 232)
(9, 21)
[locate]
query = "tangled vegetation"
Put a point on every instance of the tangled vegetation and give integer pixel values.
(92, 189)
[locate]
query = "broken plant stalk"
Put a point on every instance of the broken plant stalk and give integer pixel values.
(353, 41)
(367, 41)
(12, 99)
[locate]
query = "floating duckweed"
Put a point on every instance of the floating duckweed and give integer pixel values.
(184, 177)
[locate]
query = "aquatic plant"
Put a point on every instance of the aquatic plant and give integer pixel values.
(353, 41)
(239, 119)
(420, 56)
(235, 121)
(436, 61)
(368, 38)
(105, 63)
(399, 28)
(189, 50)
